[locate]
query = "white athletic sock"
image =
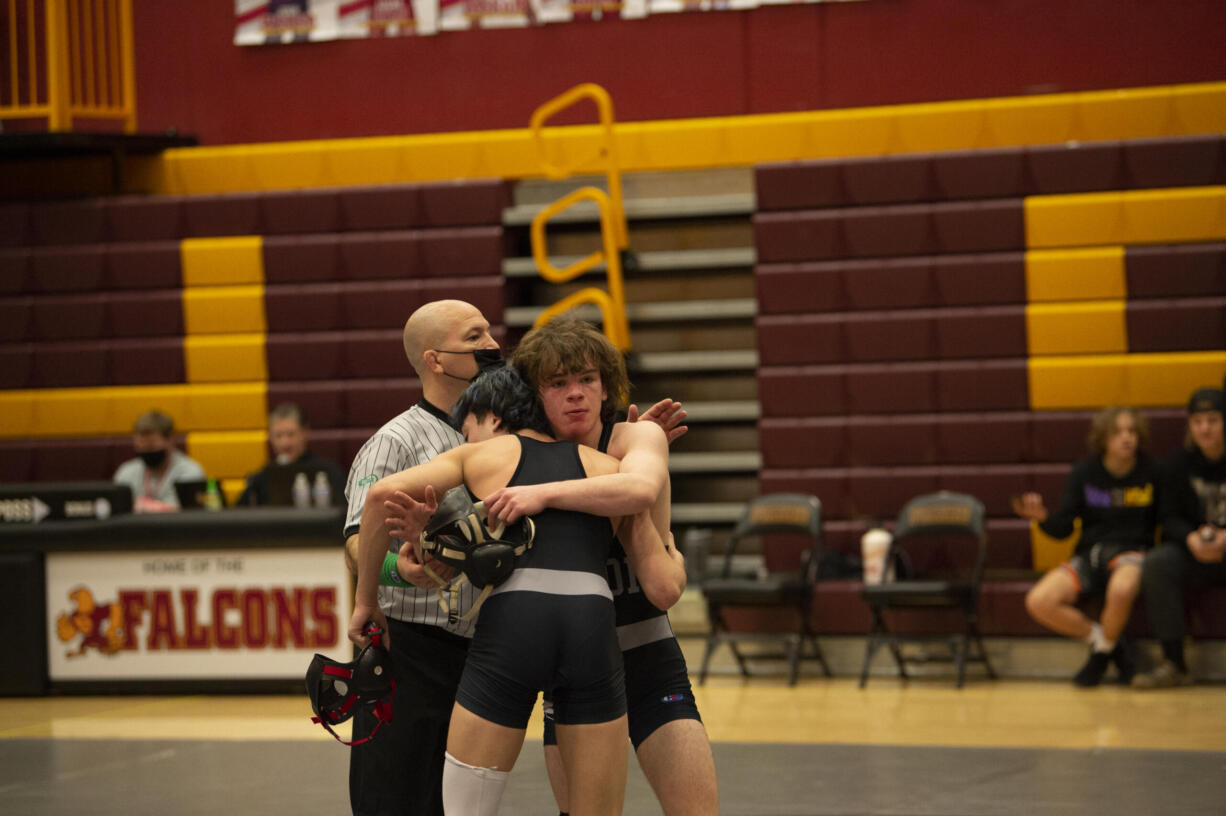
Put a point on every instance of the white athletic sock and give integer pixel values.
(1097, 642)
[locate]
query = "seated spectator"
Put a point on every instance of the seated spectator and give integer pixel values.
(1193, 514)
(1114, 493)
(288, 436)
(152, 474)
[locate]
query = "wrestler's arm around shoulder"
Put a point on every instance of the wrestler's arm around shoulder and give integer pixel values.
(659, 566)
(631, 488)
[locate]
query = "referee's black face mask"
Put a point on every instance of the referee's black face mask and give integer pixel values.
(486, 360)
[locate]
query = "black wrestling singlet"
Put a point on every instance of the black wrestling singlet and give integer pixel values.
(565, 539)
(551, 624)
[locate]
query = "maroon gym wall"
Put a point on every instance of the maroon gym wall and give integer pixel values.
(191, 77)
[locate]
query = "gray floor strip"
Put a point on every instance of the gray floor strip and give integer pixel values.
(181, 778)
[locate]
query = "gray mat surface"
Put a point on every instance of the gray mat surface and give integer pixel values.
(185, 778)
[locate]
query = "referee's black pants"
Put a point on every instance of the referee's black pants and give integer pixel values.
(1169, 572)
(400, 771)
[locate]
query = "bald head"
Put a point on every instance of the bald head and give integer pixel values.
(450, 325)
(428, 327)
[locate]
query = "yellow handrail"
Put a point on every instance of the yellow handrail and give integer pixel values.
(613, 231)
(612, 304)
(87, 60)
(607, 150)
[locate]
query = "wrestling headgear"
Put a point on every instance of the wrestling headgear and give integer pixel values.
(338, 689)
(458, 536)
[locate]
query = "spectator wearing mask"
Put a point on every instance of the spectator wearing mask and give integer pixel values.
(288, 436)
(157, 466)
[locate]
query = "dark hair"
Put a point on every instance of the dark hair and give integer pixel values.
(1102, 425)
(503, 393)
(568, 345)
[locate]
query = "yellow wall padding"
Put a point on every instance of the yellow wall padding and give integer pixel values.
(1092, 381)
(17, 414)
(223, 309)
(228, 454)
(1139, 217)
(225, 358)
(676, 144)
(1076, 382)
(222, 261)
(1168, 379)
(233, 488)
(1082, 327)
(57, 412)
(1075, 274)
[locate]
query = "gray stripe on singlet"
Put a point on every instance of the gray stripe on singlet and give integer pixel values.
(556, 582)
(644, 632)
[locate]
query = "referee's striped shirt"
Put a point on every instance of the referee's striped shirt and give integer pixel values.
(411, 439)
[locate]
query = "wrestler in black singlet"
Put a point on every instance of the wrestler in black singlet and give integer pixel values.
(658, 687)
(551, 625)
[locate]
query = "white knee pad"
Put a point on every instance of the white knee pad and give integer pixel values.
(471, 791)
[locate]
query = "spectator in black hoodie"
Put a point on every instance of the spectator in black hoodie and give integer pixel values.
(1193, 536)
(1114, 493)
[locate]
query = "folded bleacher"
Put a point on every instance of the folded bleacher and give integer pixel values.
(950, 320)
(217, 307)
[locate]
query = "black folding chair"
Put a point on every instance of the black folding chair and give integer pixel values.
(941, 542)
(790, 516)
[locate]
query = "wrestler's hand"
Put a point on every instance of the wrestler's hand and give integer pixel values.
(666, 413)
(507, 504)
(407, 517)
(357, 623)
(413, 569)
(1030, 506)
(1207, 552)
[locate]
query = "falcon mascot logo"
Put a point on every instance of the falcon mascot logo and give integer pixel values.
(98, 626)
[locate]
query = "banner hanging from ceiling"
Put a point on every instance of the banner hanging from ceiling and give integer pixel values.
(272, 22)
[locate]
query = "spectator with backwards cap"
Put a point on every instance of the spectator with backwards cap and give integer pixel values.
(157, 466)
(1193, 536)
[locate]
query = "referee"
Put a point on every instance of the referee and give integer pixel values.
(401, 771)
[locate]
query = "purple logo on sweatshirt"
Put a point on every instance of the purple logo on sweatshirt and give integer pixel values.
(1097, 497)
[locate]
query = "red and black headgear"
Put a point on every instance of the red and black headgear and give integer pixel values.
(337, 690)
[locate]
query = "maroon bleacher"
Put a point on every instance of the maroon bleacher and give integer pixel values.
(892, 337)
(993, 173)
(891, 283)
(120, 219)
(91, 294)
(1183, 270)
(1177, 324)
